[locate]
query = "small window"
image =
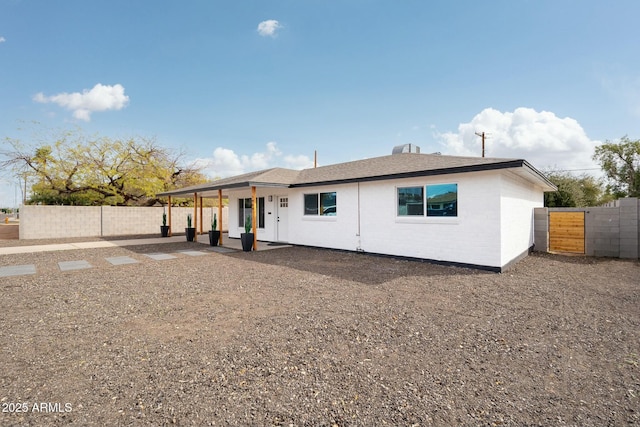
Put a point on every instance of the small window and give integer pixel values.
(442, 200)
(311, 204)
(328, 204)
(284, 202)
(411, 201)
(245, 210)
(324, 204)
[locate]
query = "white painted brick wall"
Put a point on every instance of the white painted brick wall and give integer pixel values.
(517, 203)
(339, 232)
(473, 237)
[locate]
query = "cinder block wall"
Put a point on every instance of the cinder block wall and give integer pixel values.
(602, 232)
(629, 228)
(612, 231)
(52, 222)
(541, 229)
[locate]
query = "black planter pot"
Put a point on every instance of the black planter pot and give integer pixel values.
(164, 230)
(191, 233)
(247, 241)
(214, 237)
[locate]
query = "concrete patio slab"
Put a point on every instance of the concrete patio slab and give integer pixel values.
(74, 265)
(160, 256)
(35, 248)
(229, 243)
(17, 270)
(122, 260)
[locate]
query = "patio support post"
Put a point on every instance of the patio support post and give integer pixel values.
(201, 216)
(220, 214)
(195, 215)
(254, 216)
(170, 228)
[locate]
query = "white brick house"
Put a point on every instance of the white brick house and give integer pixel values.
(461, 210)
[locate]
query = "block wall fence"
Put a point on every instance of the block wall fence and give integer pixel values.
(51, 222)
(612, 230)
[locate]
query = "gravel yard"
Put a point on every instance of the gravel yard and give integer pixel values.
(302, 336)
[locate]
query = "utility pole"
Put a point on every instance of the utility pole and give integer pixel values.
(483, 138)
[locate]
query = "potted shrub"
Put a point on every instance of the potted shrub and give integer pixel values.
(247, 237)
(214, 234)
(164, 228)
(190, 231)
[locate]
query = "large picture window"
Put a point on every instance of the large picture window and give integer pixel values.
(245, 210)
(324, 204)
(441, 200)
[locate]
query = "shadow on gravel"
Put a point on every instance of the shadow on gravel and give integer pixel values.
(358, 267)
(579, 259)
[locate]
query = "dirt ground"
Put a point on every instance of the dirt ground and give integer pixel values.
(302, 336)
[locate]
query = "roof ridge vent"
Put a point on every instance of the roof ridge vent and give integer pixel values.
(406, 148)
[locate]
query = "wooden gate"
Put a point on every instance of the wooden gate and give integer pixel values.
(566, 232)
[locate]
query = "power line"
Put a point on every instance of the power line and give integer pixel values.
(576, 170)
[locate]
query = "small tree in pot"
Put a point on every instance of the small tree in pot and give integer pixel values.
(190, 231)
(247, 237)
(164, 228)
(214, 234)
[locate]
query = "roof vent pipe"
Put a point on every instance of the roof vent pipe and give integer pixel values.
(406, 148)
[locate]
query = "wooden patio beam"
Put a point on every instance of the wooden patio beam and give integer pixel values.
(170, 227)
(195, 215)
(220, 214)
(201, 216)
(254, 216)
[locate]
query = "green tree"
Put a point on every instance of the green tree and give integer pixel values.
(71, 168)
(620, 161)
(574, 191)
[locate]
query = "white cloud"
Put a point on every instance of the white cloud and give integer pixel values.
(100, 98)
(2, 40)
(268, 28)
(297, 162)
(226, 162)
(541, 138)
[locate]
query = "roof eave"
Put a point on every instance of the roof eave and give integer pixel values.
(233, 186)
(429, 172)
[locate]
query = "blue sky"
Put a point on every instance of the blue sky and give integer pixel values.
(245, 85)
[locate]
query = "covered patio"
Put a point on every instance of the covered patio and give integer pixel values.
(274, 178)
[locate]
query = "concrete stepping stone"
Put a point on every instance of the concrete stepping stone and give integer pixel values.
(193, 253)
(74, 265)
(221, 250)
(17, 270)
(121, 260)
(160, 256)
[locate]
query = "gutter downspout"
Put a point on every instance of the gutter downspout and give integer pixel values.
(359, 242)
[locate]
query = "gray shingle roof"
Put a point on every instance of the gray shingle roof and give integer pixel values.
(268, 177)
(377, 168)
(395, 165)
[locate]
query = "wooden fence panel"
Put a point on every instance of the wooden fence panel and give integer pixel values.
(566, 232)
